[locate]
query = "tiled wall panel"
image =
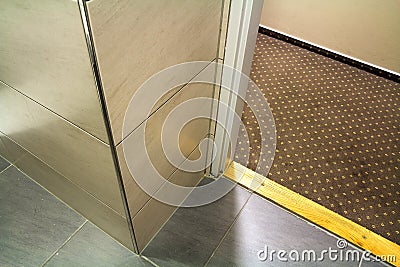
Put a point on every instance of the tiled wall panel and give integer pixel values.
(83, 159)
(43, 54)
(77, 198)
(49, 104)
(135, 39)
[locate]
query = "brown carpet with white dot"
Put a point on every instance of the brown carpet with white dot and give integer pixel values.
(338, 135)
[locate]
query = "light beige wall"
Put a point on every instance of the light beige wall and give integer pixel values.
(368, 30)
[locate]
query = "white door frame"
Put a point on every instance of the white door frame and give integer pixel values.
(244, 19)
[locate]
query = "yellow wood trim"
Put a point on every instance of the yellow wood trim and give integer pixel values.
(314, 212)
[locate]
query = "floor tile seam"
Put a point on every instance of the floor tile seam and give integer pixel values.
(148, 260)
(6, 168)
(230, 227)
(63, 244)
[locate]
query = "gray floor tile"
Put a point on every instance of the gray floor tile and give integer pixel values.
(192, 234)
(3, 164)
(264, 225)
(33, 223)
(92, 247)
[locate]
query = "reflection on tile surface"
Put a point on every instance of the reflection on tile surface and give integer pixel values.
(176, 31)
(64, 83)
(33, 223)
(192, 234)
(261, 224)
(92, 247)
(10, 150)
(69, 150)
(3, 164)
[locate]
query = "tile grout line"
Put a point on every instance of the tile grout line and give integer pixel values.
(167, 100)
(63, 244)
(10, 165)
(157, 190)
(361, 260)
(230, 227)
(64, 177)
(150, 261)
(55, 113)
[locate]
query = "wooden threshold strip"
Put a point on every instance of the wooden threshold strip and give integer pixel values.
(315, 212)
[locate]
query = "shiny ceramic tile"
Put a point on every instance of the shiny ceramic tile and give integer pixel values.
(10, 150)
(265, 226)
(160, 90)
(192, 234)
(43, 54)
(175, 32)
(77, 198)
(33, 223)
(83, 159)
(150, 133)
(92, 247)
(154, 214)
(3, 163)
(149, 214)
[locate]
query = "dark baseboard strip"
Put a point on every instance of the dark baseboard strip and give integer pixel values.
(330, 54)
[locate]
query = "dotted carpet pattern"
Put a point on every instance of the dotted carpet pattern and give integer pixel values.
(337, 133)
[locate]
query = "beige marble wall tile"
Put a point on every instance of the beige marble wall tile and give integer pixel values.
(135, 39)
(43, 54)
(149, 214)
(151, 130)
(155, 214)
(83, 159)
